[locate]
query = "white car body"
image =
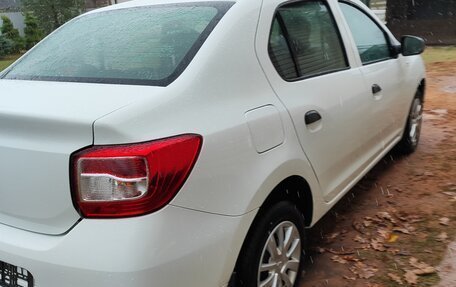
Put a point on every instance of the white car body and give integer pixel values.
(254, 139)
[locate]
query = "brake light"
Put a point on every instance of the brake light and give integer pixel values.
(133, 179)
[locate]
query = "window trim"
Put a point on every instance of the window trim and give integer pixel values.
(286, 35)
(385, 34)
(222, 8)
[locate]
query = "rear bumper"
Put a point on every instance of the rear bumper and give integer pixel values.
(172, 247)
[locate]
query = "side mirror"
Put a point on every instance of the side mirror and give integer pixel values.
(412, 45)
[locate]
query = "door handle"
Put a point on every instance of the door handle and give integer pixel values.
(312, 117)
(376, 89)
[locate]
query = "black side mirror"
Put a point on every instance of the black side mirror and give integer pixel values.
(412, 45)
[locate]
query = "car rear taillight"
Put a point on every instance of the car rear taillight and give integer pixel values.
(133, 179)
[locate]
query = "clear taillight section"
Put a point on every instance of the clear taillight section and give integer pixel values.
(131, 180)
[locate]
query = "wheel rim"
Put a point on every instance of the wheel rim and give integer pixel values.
(416, 118)
(281, 256)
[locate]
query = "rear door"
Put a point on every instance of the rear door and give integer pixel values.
(304, 55)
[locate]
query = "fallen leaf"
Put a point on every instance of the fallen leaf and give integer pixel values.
(385, 216)
(411, 277)
(421, 267)
(428, 173)
(377, 245)
(442, 237)
(402, 218)
(444, 221)
(393, 238)
(332, 236)
(385, 233)
(363, 271)
(394, 251)
(360, 239)
(364, 246)
(338, 259)
(409, 227)
(398, 189)
(395, 278)
(373, 219)
(349, 278)
(450, 193)
(358, 227)
(350, 258)
(449, 185)
(401, 230)
(414, 219)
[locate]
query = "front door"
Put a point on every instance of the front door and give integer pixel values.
(382, 72)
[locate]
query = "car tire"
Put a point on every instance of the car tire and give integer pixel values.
(412, 132)
(280, 228)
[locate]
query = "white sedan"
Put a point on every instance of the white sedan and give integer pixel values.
(191, 143)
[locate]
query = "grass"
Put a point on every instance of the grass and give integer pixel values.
(5, 62)
(439, 54)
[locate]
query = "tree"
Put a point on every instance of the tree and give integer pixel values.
(52, 14)
(33, 33)
(11, 33)
(6, 46)
(367, 2)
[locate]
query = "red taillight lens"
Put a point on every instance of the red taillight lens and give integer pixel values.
(134, 179)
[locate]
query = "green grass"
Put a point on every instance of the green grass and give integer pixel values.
(439, 54)
(5, 62)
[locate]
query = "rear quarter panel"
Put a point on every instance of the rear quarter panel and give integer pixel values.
(210, 98)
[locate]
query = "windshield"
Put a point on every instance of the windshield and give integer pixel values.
(145, 46)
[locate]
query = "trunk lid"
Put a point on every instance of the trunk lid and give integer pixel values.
(41, 125)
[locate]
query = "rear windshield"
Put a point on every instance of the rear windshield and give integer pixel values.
(148, 45)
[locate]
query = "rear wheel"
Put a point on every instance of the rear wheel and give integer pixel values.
(273, 254)
(412, 132)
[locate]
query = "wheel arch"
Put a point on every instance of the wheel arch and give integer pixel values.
(295, 189)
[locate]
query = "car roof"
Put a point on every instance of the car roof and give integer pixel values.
(140, 3)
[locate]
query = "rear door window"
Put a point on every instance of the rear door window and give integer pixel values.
(310, 33)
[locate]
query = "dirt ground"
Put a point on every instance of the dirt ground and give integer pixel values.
(398, 224)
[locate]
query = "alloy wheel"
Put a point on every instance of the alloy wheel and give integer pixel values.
(280, 259)
(416, 119)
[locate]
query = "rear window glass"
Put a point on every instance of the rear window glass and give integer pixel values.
(145, 46)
